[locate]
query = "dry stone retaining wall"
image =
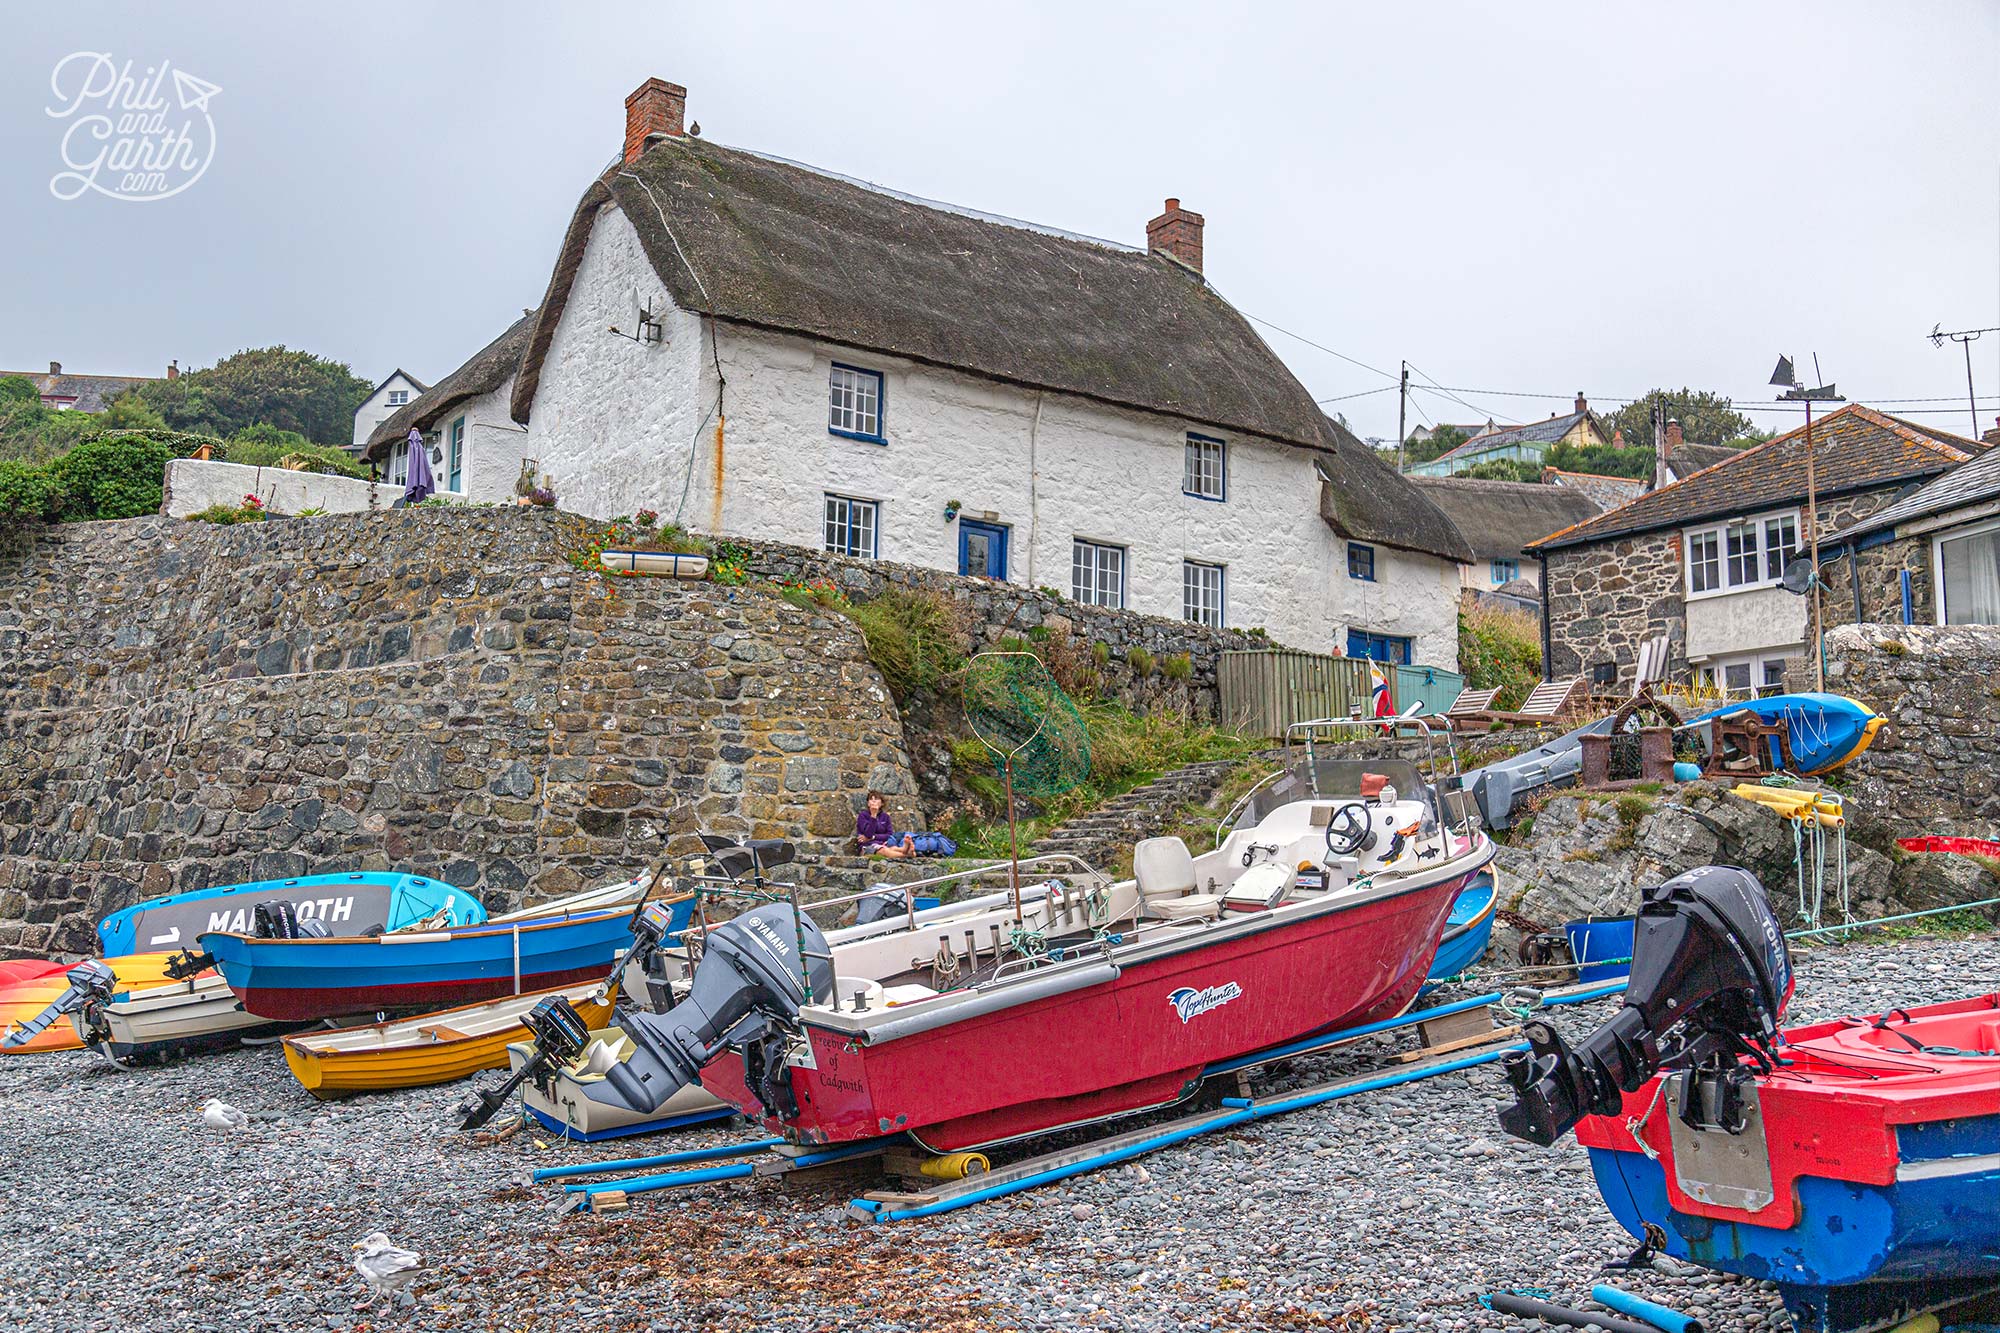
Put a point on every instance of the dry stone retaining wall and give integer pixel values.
(428, 690)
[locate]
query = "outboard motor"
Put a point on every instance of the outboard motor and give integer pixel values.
(651, 929)
(746, 993)
(1709, 964)
(91, 982)
(560, 1037)
(881, 906)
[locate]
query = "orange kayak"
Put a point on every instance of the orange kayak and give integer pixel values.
(26, 991)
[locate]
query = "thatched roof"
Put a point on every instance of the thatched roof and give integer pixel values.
(1500, 518)
(486, 371)
(1363, 497)
(756, 241)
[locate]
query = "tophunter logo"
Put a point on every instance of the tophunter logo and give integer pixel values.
(1191, 1003)
(129, 136)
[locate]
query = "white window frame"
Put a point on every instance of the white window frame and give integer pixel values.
(1757, 527)
(855, 403)
(1195, 606)
(1714, 672)
(1205, 468)
(398, 397)
(1093, 565)
(1937, 561)
(399, 463)
(854, 505)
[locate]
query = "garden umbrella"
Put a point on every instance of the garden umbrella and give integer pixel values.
(420, 483)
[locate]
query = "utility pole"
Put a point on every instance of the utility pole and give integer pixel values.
(1964, 338)
(1402, 407)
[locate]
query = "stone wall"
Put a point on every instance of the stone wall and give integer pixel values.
(1936, 767)
(993, 611)
(1881, 584)
(1603, 601)
(428, 690)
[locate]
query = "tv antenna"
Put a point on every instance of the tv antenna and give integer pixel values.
(1964, 338)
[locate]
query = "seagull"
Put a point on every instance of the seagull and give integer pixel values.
(218, 1114)
(385, 1267)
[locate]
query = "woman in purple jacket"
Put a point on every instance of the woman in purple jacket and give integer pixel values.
(876, 835)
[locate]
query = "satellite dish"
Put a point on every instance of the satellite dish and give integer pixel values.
(1798, 577)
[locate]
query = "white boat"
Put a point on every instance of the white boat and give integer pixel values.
(560, 1102)
(183, 1015)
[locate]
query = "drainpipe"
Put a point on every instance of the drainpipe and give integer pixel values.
(1854, 576)
(1548, 648)
(1035, 499)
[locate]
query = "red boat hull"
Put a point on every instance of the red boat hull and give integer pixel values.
(1121, 1045)
(305, 1004)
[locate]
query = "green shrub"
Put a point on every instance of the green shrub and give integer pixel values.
(226, 516)
(120, 476)
(1500, 648)
(26, 492)
(1140, 661)
(1178, 667)
(912, 637)
(267, 446)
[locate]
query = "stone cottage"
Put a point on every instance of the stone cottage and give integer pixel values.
(755, 347)
(1931, 558)
(1699, 561)
(466, 419)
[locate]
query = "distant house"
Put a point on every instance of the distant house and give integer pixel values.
(1606, 492)
(64, 391)
(1498, 519)
(1931, 558)
(1426, 433)
(466, 420)
(756, 347)
(389, 396)
(1699, 561)
(1520, 444)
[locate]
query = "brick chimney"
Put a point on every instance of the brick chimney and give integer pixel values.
(55, 367)
(1993, 436)
(174, 369)
(1176, 232)
(1582, 404)
(1674, 438)
(655, 107)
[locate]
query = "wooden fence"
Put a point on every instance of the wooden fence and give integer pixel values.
(1264, 692)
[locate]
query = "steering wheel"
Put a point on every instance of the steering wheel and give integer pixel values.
(1348, 831)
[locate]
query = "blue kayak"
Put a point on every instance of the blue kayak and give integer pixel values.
(301, 980)
(348, 904)
(1825, 730)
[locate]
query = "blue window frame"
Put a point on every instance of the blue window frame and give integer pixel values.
(982, 549)
(854, 404)
(851, 526)
(1205, 468)
(1505, 571)
(1379, 647)
(1360, 561)
(457, 457)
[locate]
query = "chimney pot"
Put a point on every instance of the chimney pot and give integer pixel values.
(655, 107)
(174, 369)
(1581, 404)
(1673, 433)
(55, 367)
(1176, 232)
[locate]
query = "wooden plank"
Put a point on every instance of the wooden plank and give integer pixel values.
(1463, 1043)
(1435, 1032)
(899, 1198)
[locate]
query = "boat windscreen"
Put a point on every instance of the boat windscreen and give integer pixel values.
(1337, 779)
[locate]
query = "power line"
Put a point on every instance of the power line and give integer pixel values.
(1321, 346)
(1460, 401)
(1341, 398)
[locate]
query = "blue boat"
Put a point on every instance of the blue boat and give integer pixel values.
(1467, 931)
(558, 944)
(350, 904)
(1824, 730)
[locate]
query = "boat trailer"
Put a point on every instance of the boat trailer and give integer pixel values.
(1456, 1036)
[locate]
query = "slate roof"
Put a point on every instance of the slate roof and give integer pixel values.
(486, 371)
(421, 386)
(757, 241)
(1535, 432)
(1607, 492)
(1854, 449)
(1968, 484)
(1498, 519)
(1688, 458)
(91, 392)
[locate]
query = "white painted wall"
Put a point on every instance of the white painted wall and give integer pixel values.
(375, 409)
(1740, 622)
(618, 426)
(494, 448)
(192, 485)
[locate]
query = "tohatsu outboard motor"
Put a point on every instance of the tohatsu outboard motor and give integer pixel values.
(1709, 966)
(91, 982)
(746, 993)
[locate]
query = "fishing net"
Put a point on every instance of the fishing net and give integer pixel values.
(1022, 716)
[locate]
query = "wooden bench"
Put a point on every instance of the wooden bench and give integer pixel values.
(1548, 701)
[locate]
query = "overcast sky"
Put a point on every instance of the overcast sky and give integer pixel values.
(1531, 197)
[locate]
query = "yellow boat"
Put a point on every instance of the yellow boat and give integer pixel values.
(428, 1048)
(23, 1000)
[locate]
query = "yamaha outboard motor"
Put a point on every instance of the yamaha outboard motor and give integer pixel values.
(746, 993)
(1709, 966)
(91, 982)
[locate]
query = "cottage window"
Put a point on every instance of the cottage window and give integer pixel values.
(1968, 576)
(1781, 545)
(1360, 561)
(1204, 468)
(1704, 562)
(1201, 593)
(1505, 571)
(1741, 539)
(398, 397)
(851, 526)
(457, 472)
(1394, 648)
(399, 463)
(1097, 574)
(855, 404)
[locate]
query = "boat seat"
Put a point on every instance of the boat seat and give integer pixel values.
(1164, 871)
(439, 1032)
(1258, 889)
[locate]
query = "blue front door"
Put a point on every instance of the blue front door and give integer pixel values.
(982, 549)
(1378, 647)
